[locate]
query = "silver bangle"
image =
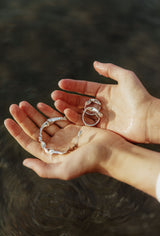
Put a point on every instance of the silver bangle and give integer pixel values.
(47, 123)
(87, 110)
(50, 151)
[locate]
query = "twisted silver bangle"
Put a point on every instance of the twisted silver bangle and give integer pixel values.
(50, 151)
(87, 110)
(47, 123)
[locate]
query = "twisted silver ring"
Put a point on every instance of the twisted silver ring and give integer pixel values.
(92, 100)
(92, 111)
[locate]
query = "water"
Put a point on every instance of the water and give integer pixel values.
(41, 42)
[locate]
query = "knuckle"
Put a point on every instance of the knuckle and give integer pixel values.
(34, 133)
(110, 64)
(69, 126)
(110, 67)
(130, 73)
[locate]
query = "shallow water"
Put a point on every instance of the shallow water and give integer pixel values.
(41, 42)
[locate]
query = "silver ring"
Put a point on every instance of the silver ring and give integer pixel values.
(92, 100)
(47, 123)
(94, 111)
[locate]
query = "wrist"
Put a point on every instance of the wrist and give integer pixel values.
(113, 153)
(128, 163)
(153, 122)
(138, 167)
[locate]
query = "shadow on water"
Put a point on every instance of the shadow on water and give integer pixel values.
(41, 42)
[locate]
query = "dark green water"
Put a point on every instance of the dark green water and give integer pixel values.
(42, 41)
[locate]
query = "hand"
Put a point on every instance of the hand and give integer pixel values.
(98, 150)
(125, 106)
(92, 154)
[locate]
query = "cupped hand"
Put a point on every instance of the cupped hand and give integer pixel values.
(95, 146)
(125, 105)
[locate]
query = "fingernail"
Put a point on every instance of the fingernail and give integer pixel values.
(98, 64)
(59, 83)
(65, 111)
(5, 121)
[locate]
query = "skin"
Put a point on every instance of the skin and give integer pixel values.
(98, 150)
(82, 160)
(128, 109)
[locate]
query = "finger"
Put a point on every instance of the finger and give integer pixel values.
(73, 116)
(62, 105)
(47, 170)
(33, 115)
(72, 99)
(80, 86)
(65, 169)
(111, 71)
(50, 112)
(68, 168)
(44, 170)
(26, 124)
(23, 139)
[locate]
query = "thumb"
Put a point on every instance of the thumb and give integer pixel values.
(109, 70)
(43, 169)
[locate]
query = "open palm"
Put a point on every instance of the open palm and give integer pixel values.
(85, 158)
(124, 105)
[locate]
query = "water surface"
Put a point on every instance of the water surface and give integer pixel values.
(41, 42)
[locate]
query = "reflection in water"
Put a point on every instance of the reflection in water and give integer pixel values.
(41, 42)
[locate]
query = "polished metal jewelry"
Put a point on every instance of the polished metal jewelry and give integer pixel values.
(50, 151)
(89, 110)
(92, 111)
(90, 101)
(47, 123)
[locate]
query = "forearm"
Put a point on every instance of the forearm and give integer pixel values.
(153, 122)
(137, 167)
